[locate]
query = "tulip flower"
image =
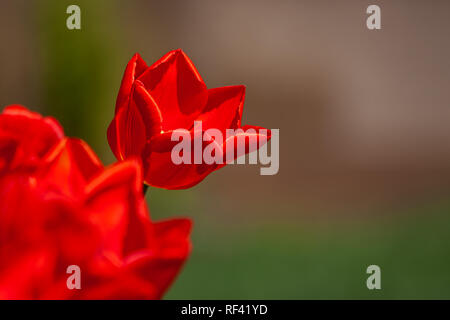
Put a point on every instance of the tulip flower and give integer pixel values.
(25, 137)
(156, 101)
(60, 207)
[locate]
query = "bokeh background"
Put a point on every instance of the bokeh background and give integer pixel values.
(364, 133)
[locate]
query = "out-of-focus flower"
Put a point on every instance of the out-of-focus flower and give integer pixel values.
(25, 137)
(59, 207)
(154, 101)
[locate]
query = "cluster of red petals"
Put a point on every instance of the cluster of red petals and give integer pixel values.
(155, 100)
(59, 207)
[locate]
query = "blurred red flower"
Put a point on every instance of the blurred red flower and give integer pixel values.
(155, 101)
(59, 207)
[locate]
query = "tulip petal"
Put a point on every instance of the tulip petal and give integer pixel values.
(29, 276)
(123, 286)
(161, 171)
(26, 136)
(148, 109)
(253, 140)
(130, 131)
(148, 272)
(135, 67)
(170, 248)
(134, 124)
(70, 166)
(224, 108)
(173, 237)
(176, 86)
(118, 208)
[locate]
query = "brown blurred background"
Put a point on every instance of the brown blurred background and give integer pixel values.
(363, 115)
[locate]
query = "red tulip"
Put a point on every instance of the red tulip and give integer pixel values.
(60, 207)
(153, 102)
(25, 137)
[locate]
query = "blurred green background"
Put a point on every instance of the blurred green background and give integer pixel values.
(365, 143)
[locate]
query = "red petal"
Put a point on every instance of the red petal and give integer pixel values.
(160, 171)
(130, 131)
(224, 108)
(18, 213)
(148, 109)
(8, 150)
(170, 249)
(116, 206)
(25, 136)
(173, 237)
(135, 67)
(177, 88)
(252, 142)
(28, 277)
(163, 143)
(134, 124)
(122, 286)
(70, 166)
